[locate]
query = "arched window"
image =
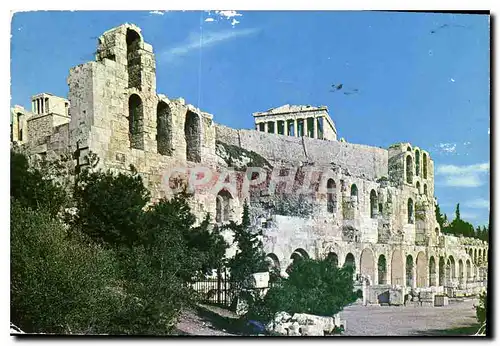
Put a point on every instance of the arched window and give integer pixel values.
(192, 133)
(432, 272)
(410, 211)
(331, 196)
(133, 59)
(382, 270)
(409, 169)
(136, 122)
(418, 188)
(437, 232)
(425, 189)
(424, 157)
(373, 204)
(349, 260)
(163, 129)
(333, 258)
(442, 271)
(417, 163)
(354, 193)
(409, 270)
(223, 206)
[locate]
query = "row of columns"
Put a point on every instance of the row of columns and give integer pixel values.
(40, 106)
(295, 126)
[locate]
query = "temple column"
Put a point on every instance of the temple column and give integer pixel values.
(316, 135)
(265, 127)
(304, 127)
(295, 127)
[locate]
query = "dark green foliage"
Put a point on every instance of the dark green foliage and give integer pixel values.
(481, 308)
(117, 267)
(459, 226)
(109, 207)
(251, 256)
(440, 218)
(58, 284)
(313, 286)
(32, 189)
(235, 153)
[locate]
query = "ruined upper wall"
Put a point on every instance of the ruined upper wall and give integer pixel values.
(358, 160)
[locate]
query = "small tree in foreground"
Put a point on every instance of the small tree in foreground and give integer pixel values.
(313, 286)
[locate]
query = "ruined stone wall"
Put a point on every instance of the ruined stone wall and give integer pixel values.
(357, 160)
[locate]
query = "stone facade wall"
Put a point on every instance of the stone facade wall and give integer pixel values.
(100, 94)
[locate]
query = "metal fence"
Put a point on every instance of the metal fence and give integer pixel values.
(216, 291)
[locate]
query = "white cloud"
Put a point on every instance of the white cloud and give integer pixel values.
(463, 176)
(234, 22)
(452, 80)
(209, 20)
(209, 39)
(478, 203)
(449, 148)
(160, 13)
(488, 130)
(462, 181)
(228, 14)
(458, 170)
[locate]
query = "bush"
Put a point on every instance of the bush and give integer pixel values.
(58, 284)
(313, 286)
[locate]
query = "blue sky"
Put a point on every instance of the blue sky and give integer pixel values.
(421, 78)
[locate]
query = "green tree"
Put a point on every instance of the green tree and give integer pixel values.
(250, 257)
(32, 189)
(110, 207)
(440, 218)
(313, 286)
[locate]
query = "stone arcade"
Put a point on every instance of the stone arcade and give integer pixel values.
(374, 208)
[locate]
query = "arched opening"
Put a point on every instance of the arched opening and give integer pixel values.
(471, 254)
(411, 219)
(436, 231)
(432, 272)
(164, 129)
(273, 262)
(417, 163)
(425, 189)
(354, 193)
(136, 122)
(409, 271)
(397, 268)
(418, 188)
(424, 158)
(442, 274)
(192, 132)
(421, 270)
(475, 256)
(333, 258)
(382, 270)
(461, 270)
(468, 269)
(409, 169)
(299, 254)
(133, 59)
(350, 261)
(367, 263)
(331, 196)
(223, 206)
(451, 268)
(373, 204)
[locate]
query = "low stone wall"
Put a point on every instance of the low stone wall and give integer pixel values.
(304, 324)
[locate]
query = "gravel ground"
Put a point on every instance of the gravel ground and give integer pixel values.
(192, 323)
(396, 320)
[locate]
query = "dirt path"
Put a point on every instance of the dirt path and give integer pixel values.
(395, 320)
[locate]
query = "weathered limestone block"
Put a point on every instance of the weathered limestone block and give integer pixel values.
(426, 296)
(282, 316)
(258, 280)
(396, 297)
(440, 300)
(327, 323)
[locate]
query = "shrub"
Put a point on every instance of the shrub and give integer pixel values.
(313, 286)
(58, 284)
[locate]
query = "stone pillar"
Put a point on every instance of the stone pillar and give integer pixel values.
(265, 127)
(304, 129)
(414, 275)
(276, 126)
(365, 291)
(316, 135)
(33, 106)
(295, 127)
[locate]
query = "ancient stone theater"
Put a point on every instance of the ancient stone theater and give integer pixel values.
(313, 194)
